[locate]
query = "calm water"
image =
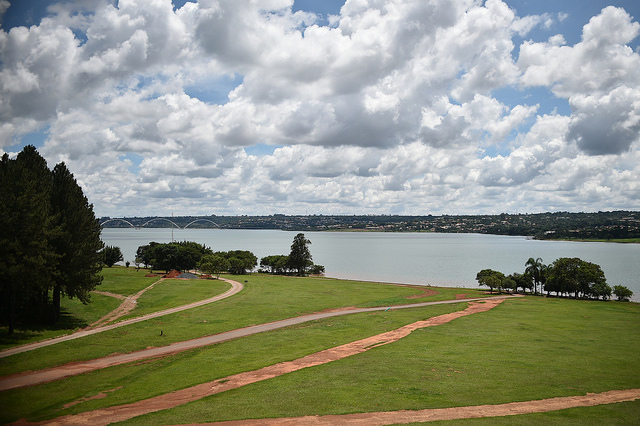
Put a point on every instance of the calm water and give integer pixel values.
(449, 260)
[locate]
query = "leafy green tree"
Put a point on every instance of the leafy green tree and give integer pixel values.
(189, 254)
(524, 281)
(236, 266)
(77, 241)
(213, 264)
(576, 276)
(112, 255)
(591, 281)
(601, 289)
(143, 255)
(182, 256)
(510, 283)
(300, 258)
(490, 278)
(317, 270)
(164, 256)
(535, 268)
(276, 264)
(622, 293)
(563, 276)
(241, 261)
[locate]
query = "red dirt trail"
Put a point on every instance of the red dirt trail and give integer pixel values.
(453, 413)
(173, 399)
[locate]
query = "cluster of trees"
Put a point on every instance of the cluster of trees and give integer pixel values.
(237, 262)
(50, 243)
(564, 277)
(299, 260)
(187, 255)
(182, 256)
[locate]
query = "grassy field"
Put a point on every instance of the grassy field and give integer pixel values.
(265, 299)
(528, 348)
(125, 281)
(177, 292)
(522, 350)
(75, 314)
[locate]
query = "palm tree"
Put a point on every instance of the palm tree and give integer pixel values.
(535, 268)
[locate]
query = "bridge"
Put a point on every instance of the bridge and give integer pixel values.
(159, 218)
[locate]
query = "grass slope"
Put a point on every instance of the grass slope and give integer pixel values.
(133, 382)
(75, 314)
(125, 281)
(265, 299)
(171, 293)
(522, 350)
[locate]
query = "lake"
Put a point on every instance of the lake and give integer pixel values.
(449, 260)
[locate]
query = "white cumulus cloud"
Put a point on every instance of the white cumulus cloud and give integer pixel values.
(245, 106)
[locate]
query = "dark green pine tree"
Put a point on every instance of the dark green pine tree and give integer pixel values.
(27, 258)
(76, 240)
(300, 257)
(8, 243)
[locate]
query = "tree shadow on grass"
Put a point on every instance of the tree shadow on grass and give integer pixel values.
(28, 329)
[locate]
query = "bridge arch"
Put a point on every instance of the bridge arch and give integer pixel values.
(205, 220)
(120, 220)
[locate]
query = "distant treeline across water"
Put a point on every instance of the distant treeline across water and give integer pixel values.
(616, 225)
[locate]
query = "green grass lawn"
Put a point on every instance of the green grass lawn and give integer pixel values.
(75, 314)
(529, 348)
(525, 349)
(146, 379)
(623, 413)
(125, 281)
(265, 299)
(171, 293)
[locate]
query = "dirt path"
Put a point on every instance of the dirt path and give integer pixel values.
(236, 287)
(30, 378)
(183, 396)
(128, 305)
(174, 399)
(454, 413)
(108, 293)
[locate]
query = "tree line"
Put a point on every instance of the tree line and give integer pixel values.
(188, 255)
(558, 225)
(299, 261)
(50, 243)
(564, 277)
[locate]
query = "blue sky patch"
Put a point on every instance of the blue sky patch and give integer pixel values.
(542, 96)
(261, 149)
(135, 159)
(215, 90)
(323, 8)
(36, 138)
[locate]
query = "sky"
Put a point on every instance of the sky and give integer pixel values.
(260, 107)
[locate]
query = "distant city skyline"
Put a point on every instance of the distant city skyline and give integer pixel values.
(262, 107)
